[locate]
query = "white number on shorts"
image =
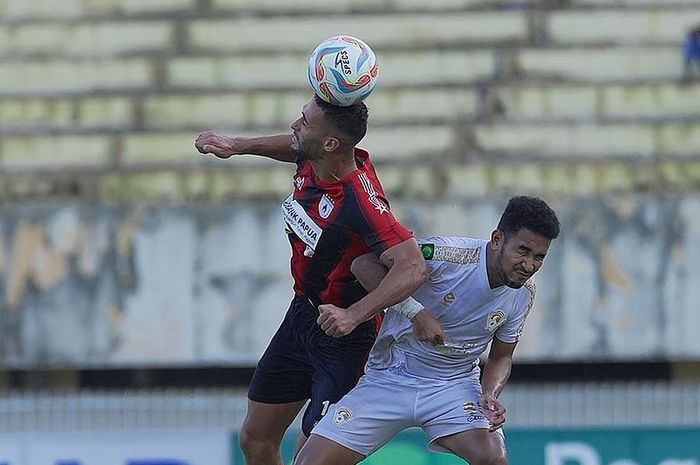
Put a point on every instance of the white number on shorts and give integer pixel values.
(326, 404)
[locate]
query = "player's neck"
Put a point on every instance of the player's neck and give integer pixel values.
(491, 274)
(335, 167)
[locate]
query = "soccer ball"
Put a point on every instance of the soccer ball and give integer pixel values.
(343, 70)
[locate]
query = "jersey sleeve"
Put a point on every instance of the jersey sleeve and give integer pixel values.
(373, 220)
(513, 329)
(430, 292)
(427, 246)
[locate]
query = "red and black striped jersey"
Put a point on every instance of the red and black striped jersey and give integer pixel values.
(329, 224)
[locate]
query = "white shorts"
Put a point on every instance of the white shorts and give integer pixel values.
(385, 403)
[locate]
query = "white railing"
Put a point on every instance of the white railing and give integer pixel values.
(107, 411)
(536, 405)
(603, 404)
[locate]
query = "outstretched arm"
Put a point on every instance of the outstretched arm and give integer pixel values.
(495, 376)
(277, 147)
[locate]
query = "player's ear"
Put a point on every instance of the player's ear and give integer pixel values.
(497, 239)
(331, 144)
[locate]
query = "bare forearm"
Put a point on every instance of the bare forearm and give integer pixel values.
(277, 147)
(399, 283)
(495, 376)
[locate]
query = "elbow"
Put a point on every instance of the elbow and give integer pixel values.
(360, 264)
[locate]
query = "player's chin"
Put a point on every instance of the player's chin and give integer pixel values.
(516, 283)
(517, 280)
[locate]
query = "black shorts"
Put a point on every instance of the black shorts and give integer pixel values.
(302, 362)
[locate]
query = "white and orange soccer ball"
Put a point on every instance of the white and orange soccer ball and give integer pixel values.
(343, 70)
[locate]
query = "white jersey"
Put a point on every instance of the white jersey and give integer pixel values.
(458, 294)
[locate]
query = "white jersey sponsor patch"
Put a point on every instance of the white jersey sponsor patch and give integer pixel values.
(301, 224)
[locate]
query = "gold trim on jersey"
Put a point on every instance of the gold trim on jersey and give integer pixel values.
(530, 286)
(459, 255)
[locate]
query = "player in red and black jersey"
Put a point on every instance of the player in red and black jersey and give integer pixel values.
(336, 212)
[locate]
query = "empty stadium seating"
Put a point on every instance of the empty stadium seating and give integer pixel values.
(120, 88)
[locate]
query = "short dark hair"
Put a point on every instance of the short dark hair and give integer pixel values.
(350, 121)
(531, 213)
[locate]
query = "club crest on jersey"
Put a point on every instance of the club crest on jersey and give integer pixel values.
(299, 182)
(494, 320)
(342, 415)
(449, 298)
(325, 206)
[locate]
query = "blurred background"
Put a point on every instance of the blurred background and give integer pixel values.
(141, 281)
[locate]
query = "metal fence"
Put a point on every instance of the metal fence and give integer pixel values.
(603, 404)
(537, 405)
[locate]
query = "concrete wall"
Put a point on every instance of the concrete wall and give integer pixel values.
(114, 230)
(179, 285)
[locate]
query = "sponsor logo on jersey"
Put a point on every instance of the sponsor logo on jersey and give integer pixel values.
(456, 348)
(301, 224)
(325, 206)
(449, 298)
(342, 415)
(379, 205)
(428, 250)
(494, 320)
(299, 182)
(473, 411)
(469, 408)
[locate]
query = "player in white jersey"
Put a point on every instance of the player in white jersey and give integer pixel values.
(480, 292)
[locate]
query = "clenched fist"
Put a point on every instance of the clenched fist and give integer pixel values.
(336, 321)
(219, 145)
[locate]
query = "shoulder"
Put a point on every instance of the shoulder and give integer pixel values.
(365, 176)
(452, 249)
(527, 294)
(454, 241)
(303, 166)
(366, 187)
(362, 157)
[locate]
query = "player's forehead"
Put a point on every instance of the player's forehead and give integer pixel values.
(312, 112)
(525, 238)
